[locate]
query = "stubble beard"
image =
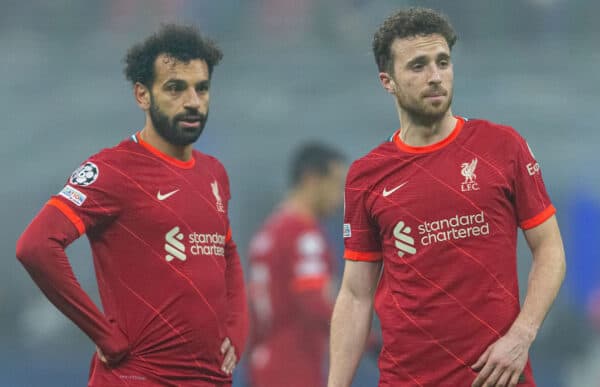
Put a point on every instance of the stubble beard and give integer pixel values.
(421, 113)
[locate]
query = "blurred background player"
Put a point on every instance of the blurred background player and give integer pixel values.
(156, 214)
(291, 275)
(430, 230)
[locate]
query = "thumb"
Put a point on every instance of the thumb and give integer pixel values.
(225, 345)
(101, 355)
(482, 359)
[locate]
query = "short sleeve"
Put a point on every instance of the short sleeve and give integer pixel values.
(88, 199)
(361, 241)
(532, 203)
(311, 268)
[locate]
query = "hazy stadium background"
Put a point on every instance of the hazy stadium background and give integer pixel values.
(292, 70)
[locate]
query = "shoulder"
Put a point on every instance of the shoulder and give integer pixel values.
(211, 162)
(302, 235)
(281, 230)
(494, 132)
(287, 223)
(102, 176)
(98, 167)
(292, 226)
(362, 169)
(115, 154)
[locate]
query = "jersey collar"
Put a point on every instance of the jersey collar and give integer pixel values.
(432, 147)
(171, 160)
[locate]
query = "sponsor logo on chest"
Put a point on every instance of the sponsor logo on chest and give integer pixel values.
(177, 245)
(404, 242)
(444, 230)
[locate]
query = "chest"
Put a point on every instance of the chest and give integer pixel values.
(446, 187)
(181, 212)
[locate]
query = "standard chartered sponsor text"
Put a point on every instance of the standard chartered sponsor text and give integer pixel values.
(207, 244)
(453, 228)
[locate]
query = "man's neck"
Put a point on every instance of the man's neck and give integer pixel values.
(415, 133)
(179, 152)
(298, 202)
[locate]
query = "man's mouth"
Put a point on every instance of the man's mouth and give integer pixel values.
(190, 121)
(435, 94)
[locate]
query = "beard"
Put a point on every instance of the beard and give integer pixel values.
(423, 112)
(170, 129)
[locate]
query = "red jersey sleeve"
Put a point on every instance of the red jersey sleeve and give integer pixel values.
(41, 250)
(237, 318)
(310, 278)
(238, 315)
(260, 280)
(89, 197)
(361, 242)
(532, 203)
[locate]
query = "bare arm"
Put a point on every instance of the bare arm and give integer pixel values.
(545, 278)
(504, 360)
(351, 321)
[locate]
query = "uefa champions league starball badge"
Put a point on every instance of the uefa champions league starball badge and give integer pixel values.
(85, 174)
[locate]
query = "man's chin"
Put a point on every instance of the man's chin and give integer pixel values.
(435, 111)
(182, 138)
(189, 135)
(187, 140)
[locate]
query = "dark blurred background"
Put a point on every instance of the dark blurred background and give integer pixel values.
(292, 70)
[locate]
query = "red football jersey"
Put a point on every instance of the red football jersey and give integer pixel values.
(291, 266)
(160, 237)
(444, 218)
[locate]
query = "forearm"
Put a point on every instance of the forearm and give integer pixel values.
(545, 278)
(350, 327)
(237, 320)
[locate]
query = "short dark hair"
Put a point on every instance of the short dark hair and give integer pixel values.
(313, 157)
(408, 23)
(182, 43)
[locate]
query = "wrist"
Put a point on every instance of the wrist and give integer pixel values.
(115, 344)
(523, 330)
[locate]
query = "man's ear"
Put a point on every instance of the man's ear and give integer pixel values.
(387, 82)
(142, 96)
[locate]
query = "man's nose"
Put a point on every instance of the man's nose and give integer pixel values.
(193, 100)
(435, 76)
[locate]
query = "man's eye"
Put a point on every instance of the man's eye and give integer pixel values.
(173, 88)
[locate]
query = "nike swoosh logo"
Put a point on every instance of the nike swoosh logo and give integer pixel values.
(388, 193)
(160, 196)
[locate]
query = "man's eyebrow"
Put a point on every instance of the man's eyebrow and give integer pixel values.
(204, 84)
(424, 58)
(174, 80)
(418, 59)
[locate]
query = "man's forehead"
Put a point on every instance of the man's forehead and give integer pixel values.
(419, 45)
(168, 67)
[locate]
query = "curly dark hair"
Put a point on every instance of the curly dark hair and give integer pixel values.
(408, 23)
(182, 43)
